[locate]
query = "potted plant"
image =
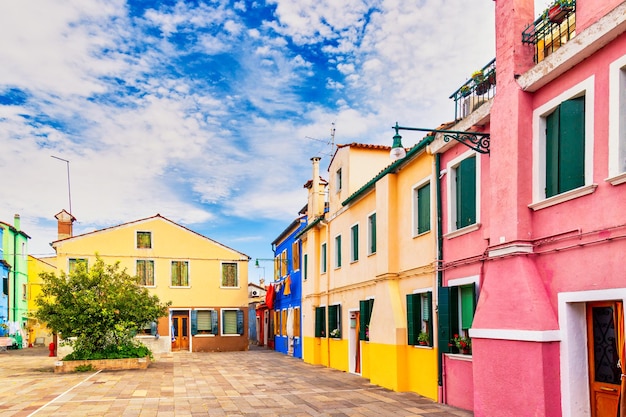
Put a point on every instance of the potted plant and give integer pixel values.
(463, 344)
(559, 9)
(478, 76)
(465, 90)
(336, 333)
(423, 339)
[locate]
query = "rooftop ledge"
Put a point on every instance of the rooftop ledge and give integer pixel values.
(579, 48)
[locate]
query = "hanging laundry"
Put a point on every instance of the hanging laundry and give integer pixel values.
(269, 296)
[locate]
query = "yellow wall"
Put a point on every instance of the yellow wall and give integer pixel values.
(403, 264)
(37, 266)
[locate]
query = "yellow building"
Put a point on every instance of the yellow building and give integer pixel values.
(207, 282)
(38, 333)
(370, 259)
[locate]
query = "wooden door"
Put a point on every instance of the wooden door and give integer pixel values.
(180, 332)
(604, 371)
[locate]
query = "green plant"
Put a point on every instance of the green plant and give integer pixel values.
(462, 342)
(423, 338)
(84, 368)
(465, 90)
(335, 333)
(478, 75)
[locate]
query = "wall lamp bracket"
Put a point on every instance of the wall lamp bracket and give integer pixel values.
(477, 141)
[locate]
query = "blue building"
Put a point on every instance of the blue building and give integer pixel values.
(287, 313)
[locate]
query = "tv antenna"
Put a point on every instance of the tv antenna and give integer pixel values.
(330, 141)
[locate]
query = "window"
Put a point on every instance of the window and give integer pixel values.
(203, 322)
(617, 121)
(296, 322)
(338, 251)
(277, 323)
(283, 322)
(24, 294)
(145, 271)
(354, 237)
(305, 266)
(339, 180)
(280, 265)
(75, 263)
(563, 147)
(232, 322)
(148, 329)
(180, 274)
(457, 305)
(419, 312)
(144, 240)
(229, 275)
(295, 255)
(421, 219)
(464, 194)
(320, 321)
(323, 259)
(334, 321)
(5, 285)
(371, 234)
(365, 316)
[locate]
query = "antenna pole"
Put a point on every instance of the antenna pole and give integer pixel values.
(69, 192)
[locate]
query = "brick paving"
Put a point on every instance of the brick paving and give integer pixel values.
(256, 383)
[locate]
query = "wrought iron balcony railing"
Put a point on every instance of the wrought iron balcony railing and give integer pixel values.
(475, 91)
(555, 27)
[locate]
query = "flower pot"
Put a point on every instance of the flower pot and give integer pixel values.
(423, 343)
(557, 13)
(453, 349)
(482, 88)
(466, 351)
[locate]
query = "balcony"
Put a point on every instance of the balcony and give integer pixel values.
(555, 27)
(476, 91)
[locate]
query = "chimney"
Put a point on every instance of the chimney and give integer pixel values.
(262, 282)
(16, 222)
(65, 221)
(317, 207)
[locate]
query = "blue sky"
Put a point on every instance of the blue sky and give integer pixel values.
(208, 112)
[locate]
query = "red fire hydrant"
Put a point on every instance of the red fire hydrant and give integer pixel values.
(51, 349)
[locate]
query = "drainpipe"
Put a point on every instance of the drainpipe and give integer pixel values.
(16, 225)
(441, 375)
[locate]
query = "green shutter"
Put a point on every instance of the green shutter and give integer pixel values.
(214, 322)
(373, 233)
(413, 316)
(306, 266)
(572, 144)
(423, 209)
(363, 318)
(468, 305)
(320, 322)
(240, 322)
(448, 313)
(429, 297)
(552, 153)
(338, 248)
(355, 243)
(153, 328)
(466, 192)
(194, 322)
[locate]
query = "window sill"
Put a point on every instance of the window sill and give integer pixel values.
(174, 287)
(231, 335)
(459, 357)
(203, 335)
(617, 179)
(230, 288)
(415, 235)
(463, 231)
(563, 197)
(423, 347)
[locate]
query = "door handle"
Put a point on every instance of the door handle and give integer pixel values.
(608, 389)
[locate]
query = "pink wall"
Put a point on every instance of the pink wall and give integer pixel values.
(459, 385)
(528, 387)
(588, 11)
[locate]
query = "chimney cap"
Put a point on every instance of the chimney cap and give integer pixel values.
(64, 216)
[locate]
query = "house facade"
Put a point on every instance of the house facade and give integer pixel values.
(38, 333)
(287, 284)
(15, 253)
(207, 282)
(370, 280)
(4, 296)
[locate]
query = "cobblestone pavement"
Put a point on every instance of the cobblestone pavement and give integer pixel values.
(254, 383)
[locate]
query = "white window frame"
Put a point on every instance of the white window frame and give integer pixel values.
(354, 254)
(296, 244)
(433, 336)
(221, 274)
(338, 180)
(617, 121)
(584, 88)
(415, 205)
(188, 273)
(137, 240)
(220, 324)
(154, 270)
(460, 282)
(369, 234)
(451, 168)
(323, 258)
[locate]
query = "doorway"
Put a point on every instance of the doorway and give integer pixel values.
(354, 343)
(180, 331)
(604, 324)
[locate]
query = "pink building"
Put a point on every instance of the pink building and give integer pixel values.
(533, 264)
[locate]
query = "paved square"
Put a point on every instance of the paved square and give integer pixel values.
(254, 383)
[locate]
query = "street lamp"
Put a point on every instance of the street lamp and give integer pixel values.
(256, 265)
(477, 141)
